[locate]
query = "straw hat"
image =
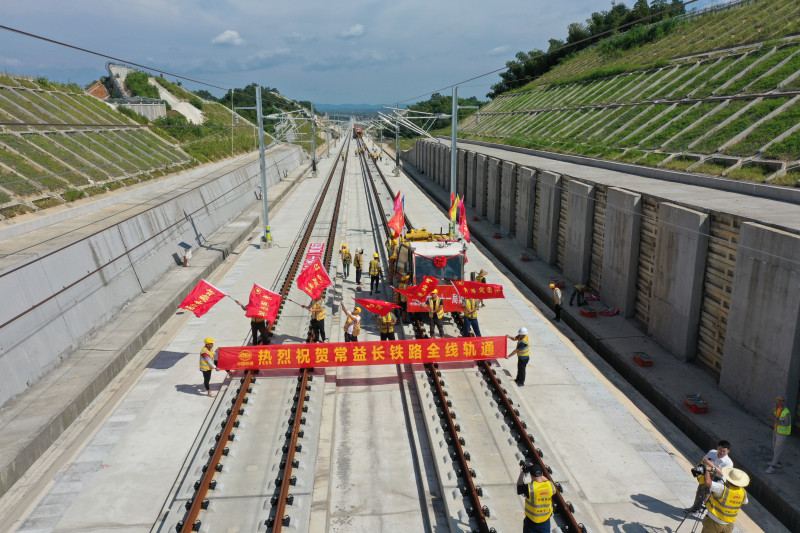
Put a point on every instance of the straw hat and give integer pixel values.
(482, 272)
(734, 476)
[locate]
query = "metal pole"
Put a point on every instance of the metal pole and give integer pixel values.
(397, 137)
(260, 126)
(313, 143)
(453, 153)
(327, 143)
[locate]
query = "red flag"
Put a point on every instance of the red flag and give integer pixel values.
(263, 303)
(462, 225)
(398, 202)
(396, 222)
(453, 208)
(481, 291)
(378, 307)
(313, 279)
(421, 291)
(202, 298)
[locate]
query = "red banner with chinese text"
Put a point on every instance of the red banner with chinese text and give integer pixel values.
(202, 298)
(396, 222)
(449, 296)
(263, 303)
(283, 356)
(462, 225)
(313, 279)
(378, 307)
(481, 291)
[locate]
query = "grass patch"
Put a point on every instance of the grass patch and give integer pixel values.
(94, 191)
(768, 83)
(715, 169)
(791, 179)
(636, 139)
(743, 63)
(787, 149)
(679, 163)
(703, 78)
(9, 81)
(44, 203)
(758, 70)
(15, 210)
(682, 142)
(678, 125)
(753, 114)
(641, 119)
(138, 85)
(74, 143)
(70, 195)
(4, 198)
(631, 155)
(766, 132)
(757, 173)
(652, 159)
(46, 143)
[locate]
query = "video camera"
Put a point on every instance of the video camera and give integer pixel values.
(700, 470)
(531, 468)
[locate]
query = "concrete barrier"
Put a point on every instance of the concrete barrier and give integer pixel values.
(549, 211)
(762, 340)
(480, 184)
(461, 174)
(508, 204)
(621, 250)
(493, 169)
(55, 302)
(526, 206)
(472, 173)
(681, 249)
(578, 242)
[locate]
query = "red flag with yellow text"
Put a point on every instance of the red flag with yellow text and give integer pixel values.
(313, 279)
(481, 291)
(378, 307)
(202, 298)
(263, 303)
(422, 290)
(396, 222)
(462, 225)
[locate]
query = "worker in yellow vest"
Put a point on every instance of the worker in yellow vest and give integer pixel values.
(346, 258)
(386, 323)
(358, 263)
(374, 273)
(782, 428)
(481, 278)
(352, 327)
(470, 310)
(258, 325)
(402, 299)
(578, 291)
(436, 313)
(558, 300)
(727, 497)
(317, 309)
(207, 364)
(538, 499)
(523, 353)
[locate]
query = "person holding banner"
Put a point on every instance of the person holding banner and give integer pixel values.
(386, 323)
(352, 327)
(481, 278)
(523, 353)
(257, 325)
(207, 363)
(436, 313)
(317, 309)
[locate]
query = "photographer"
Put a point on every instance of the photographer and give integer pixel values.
(720, 459)
(727, 497)
(538, 499)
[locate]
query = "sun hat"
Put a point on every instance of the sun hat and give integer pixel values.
(734, 476)
(482, 272)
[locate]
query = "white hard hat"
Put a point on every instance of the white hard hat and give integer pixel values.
(522, 331)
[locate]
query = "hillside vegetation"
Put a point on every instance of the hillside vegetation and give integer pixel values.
(717, 100)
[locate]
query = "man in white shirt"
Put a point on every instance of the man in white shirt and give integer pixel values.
(720, 459)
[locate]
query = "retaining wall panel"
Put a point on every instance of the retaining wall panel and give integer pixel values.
(525, 206)
(598, 238)
(472, 172)
(508, 200)
(494, 169)
(549, 196)
(621, 250)
(578, 245)
(480, 185)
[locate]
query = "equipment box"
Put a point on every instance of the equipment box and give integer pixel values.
(696, 403)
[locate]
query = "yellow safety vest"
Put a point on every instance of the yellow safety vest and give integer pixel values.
(206, 363)
(432, 305)
(356, 327)
(539, 503)
(257, 319)
(727, 507)
(357, 262)
(479, 279)
(523, 351)
(318, 311)
(470, 308)
(386, 324)
(557, 296)
(346, 256)
(783, 430)
(402, 286)
(374, 267)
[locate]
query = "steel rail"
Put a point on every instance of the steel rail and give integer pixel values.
(278, 520)
(199, 501)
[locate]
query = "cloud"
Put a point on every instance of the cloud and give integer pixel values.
(356, 58)
(352, 32)
(10, 62)
(228, 38)
(266, 58)
(500, 50)
(299, 38)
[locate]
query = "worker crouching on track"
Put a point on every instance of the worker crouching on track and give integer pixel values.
(207, 364)
(386, 323)
(523, 353)
(374, 273)
(470, 308)
(436, 313)
(538, 499)
(352, 327)
(317, 309)
(726, 498)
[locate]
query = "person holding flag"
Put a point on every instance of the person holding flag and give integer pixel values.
(317, 309)
(352, 327)
(207, 364)
(386, 323)
(257, 325)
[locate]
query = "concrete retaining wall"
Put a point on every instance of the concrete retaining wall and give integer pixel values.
(508, 204)
(549, 212)
(61, 298)
(526, 206)
(494, 167)
(621, 250)
(578, 245)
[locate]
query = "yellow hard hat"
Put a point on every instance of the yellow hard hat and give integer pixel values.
(552, 285)
(375, 255)
(344, 245)
(209, 340)
(405, 276)
(435, 291)
(357, 310)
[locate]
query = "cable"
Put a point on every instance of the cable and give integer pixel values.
(564, 47)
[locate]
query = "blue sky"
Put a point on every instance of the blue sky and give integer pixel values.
(361, 51)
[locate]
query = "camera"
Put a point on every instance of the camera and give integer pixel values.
(531, 468)
(700, 470)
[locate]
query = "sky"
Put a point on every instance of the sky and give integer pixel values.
(355, 52)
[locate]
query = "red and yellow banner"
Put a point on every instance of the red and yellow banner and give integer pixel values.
(313, 279)
(449, 296)
(459, 349)
(397, 222)
(378, 307)
(481, 291)
(263, 303)
(202, 298)
(462, 224)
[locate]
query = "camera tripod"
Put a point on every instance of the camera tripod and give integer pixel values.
(699, 514)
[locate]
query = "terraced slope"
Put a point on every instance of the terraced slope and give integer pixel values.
(734, 113)
(42, 166)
